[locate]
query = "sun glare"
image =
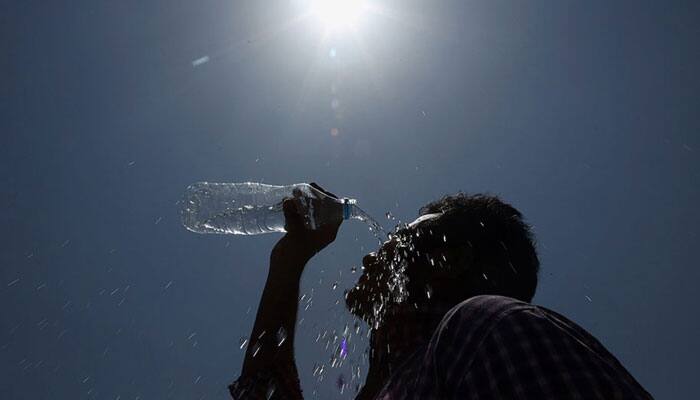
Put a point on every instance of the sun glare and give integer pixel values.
(338, 14)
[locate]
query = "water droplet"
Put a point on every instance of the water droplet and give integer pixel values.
(335, 285)
(196, 63)
(242, 342)
(270, 392)
(255, 349)
(334, 361)
(341, 383)
(353, 269)
(512, 267)
(281, 336)
(390, 216)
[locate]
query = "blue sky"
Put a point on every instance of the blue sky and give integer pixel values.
(581, 114)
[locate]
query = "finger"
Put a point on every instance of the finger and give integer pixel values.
(322, 190)
(293, 221)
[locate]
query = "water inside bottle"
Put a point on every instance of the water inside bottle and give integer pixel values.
(244, 220)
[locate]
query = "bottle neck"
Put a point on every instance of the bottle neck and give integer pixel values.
(348, 207)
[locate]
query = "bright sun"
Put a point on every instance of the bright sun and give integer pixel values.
(338, 14)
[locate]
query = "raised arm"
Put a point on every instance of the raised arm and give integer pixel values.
(269, 369)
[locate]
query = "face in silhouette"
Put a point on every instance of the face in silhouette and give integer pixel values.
(397, 273)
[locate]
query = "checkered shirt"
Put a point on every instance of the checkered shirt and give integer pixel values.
(493, 347)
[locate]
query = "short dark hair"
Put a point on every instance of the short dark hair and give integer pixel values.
(504, 258)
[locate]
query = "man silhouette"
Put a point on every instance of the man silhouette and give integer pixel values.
(447, 299)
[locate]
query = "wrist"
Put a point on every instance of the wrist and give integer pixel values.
(290, 254)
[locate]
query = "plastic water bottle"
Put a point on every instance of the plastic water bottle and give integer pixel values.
(254, 208)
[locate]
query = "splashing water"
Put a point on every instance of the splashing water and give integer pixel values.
(374, 226)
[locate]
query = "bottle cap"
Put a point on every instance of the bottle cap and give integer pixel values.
(347, 204)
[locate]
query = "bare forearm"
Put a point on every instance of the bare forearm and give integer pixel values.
(271, 342)
(269, 360)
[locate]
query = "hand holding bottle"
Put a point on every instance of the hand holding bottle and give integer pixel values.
(312, 219)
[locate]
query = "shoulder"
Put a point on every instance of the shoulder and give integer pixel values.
(481, 311)
(533, 351)
(488, 305)
(465, 325)
(468, 323)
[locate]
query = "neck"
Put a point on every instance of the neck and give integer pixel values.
(402, 332)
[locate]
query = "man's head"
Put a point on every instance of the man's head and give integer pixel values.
(461, 246)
